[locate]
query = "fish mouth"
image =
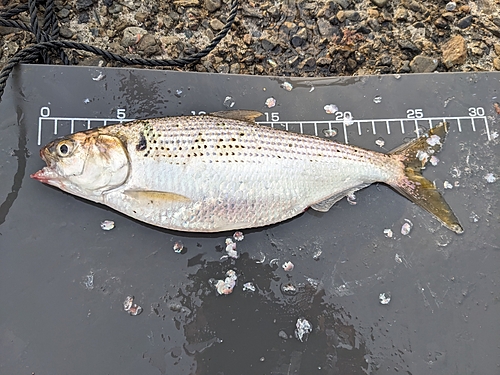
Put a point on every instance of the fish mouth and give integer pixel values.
(47, 174)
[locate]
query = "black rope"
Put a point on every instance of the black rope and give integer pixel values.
(47, 35)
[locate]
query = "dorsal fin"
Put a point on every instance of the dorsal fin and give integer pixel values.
(238, 114)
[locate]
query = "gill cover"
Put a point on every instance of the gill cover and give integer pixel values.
(91, 163)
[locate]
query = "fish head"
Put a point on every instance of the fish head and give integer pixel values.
(85, 164)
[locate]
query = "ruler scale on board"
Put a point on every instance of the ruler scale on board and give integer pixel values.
(384, 126)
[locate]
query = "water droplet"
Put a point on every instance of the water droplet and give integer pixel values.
(473, 217)
(330, 108)
(384, 298)
(377, 99)
(406, 228)
(490, 178)
(351, 199)
(249, 287)
(287, 86)
(178, 93)
(288, 266)
(238, 236)
(434, 160)
(89, 281)
(178, 247)
(317, 254)
(229, 102)
(270, 102)
(330, 133)
(288, 289)
(303, 328)
(348, 119)
(107, 225)
(131, 307)
(380, 142)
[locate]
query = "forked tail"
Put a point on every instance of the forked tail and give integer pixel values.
(416, 187)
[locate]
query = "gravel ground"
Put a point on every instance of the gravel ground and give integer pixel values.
(285, 37)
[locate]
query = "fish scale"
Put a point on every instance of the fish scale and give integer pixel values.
(209, 173)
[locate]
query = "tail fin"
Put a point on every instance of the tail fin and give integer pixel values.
(417, 188)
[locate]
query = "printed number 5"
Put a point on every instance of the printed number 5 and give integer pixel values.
(120, 113)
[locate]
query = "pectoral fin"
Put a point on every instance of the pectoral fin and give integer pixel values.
(157, 196)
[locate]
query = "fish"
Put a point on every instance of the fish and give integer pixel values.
(223, 171)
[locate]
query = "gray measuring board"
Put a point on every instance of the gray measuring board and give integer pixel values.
(63, 279)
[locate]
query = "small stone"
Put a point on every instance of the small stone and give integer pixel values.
(141, 17)
(63, 13)
(341, 15)
(401, 14)
(132, 35)
(322, 61)
(115, 9)
(308, 64)
(496, 63)
(423, 64)
(187, 3)
(65, 32)
(352, 15)
(497, 49)
(465, 22)
(83, 4)
(325, 27)
(83, 17)
(449, 16)
(409, 46)
(454, 51)
(450, 7)
(148, 46)
(299, 38)
(212, 5)
(379, 3)
(344, 4)
(216, 24)
(385, 61)
(441, 23)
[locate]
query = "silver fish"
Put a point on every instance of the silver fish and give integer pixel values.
(223, 172)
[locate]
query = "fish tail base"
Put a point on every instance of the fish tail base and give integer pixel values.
(414, 156)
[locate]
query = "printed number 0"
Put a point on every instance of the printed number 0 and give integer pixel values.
(45, 111)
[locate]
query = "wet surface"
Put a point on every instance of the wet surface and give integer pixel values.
(64, 280)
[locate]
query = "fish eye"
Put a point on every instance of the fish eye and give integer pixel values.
(63, 148)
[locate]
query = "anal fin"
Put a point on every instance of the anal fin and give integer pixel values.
(326, 204)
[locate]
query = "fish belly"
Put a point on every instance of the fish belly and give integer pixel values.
(210, 196)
